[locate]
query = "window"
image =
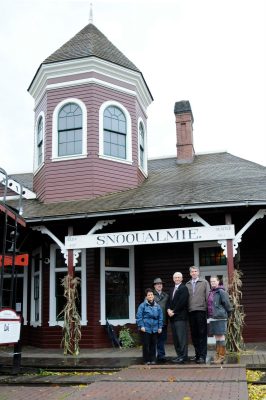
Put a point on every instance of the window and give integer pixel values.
(19, 290)
(115, 141)
(211, 256)
(40, 142)
(114, 126)
(117, 285)
(142, 147)
(210, 259)
(36, 288)
(58, 272)
(69, 130)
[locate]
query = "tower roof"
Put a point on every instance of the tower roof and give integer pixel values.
(90, 42)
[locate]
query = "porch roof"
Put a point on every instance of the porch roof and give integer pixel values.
(212, 180)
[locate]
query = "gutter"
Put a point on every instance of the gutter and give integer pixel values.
(182, 207)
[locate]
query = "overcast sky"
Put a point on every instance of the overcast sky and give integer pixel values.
(210, 52)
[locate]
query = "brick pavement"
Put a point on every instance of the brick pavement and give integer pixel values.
(144, 383)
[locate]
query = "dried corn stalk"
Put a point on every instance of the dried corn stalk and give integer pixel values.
(234, 338)
(71, 328)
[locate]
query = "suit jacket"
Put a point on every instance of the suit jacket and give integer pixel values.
(179, 303)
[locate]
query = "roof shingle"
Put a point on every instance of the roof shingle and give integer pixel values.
(210, 179)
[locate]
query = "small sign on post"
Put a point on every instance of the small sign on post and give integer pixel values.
(10, 325)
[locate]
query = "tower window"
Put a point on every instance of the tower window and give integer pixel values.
(115, 132)
(40, 141)
(70, 130)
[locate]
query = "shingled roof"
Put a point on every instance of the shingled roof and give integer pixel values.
(90, 42)
(217, 179)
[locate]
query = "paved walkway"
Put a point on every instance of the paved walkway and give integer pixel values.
(134, 381)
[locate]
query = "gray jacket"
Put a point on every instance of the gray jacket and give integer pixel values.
(197, 301)
(162, 300)
(221, 306)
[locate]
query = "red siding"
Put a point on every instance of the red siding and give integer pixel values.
(92, 176)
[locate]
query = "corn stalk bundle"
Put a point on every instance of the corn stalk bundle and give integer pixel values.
(71, 327)
(234, 338)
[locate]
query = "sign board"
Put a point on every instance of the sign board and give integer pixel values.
(21, 260)
(10, 324)
(133, 238)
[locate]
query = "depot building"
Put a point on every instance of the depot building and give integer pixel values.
(96, 204)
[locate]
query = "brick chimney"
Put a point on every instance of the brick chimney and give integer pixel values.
(184, 132)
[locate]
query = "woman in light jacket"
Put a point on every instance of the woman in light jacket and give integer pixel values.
(219, 309)
(150, 322)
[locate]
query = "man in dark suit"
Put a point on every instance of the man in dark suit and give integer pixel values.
(177, 310)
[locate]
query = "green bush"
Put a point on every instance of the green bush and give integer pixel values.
(126, 339)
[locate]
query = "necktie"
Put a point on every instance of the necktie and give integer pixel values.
(193, 286)
(175, 289)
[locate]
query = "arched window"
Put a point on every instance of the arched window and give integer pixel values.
(115, 132)
(141, 146)
(39, 142)
(70, 130)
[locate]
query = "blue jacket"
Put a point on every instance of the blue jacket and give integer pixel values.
(150, 317)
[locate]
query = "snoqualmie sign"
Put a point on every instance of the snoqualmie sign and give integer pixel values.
(202, 233)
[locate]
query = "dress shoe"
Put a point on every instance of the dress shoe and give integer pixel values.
(200, 360)
(179, 360)
(152, 362)
(147, 363)
(161, 360)
(194, 359)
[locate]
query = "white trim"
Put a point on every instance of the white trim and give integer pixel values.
(145, 157)
(25, 295)
(80, 103)
(128, 158)
(131, 302)
(87, 81)
(52, 299)
(32, 303)
(88, 64)
(37, 166)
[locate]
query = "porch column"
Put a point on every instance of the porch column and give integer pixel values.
(70, 263)
(230, 252)
(230, 260)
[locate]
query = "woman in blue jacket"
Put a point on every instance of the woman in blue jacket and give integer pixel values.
(219, 309)
(150, 322)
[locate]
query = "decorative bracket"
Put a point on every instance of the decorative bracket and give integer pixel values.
(100, 224)
(64, 251)
(195, 218)
(238, 238)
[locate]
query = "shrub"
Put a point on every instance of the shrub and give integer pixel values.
(125, 338)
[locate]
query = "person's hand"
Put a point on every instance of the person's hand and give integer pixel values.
(170, 312)
(159, 331)
(142, 329)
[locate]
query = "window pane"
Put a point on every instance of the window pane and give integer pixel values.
(118, 258)
(117, 291)
(211, 256)
(78, 147)
(122, 152)
(107, 149)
